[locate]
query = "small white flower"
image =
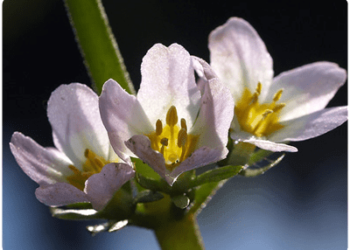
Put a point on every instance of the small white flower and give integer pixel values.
(83, 167)
(289, 107)
(173, 125)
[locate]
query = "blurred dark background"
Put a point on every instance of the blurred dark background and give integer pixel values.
(300, 204)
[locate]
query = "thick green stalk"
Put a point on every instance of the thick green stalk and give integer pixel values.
(97, 43)
(180, 234)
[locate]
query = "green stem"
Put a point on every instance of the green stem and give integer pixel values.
(180, 234)
(97, 44)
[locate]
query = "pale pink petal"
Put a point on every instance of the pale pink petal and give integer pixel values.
(140, 145)
(122, 116)
(101, 187)
(239, 57)
(307, 89)
(312, 125)
(168, 80)
(201, 157)
(42, 165)
(76, 124)
(60, 194)
(216, 111)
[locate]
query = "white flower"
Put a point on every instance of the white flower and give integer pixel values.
(289, 107)
(173, 125)
(83, 167)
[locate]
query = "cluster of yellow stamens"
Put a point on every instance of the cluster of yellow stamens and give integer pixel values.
(258, 119)
(172, 141)
(92, 165)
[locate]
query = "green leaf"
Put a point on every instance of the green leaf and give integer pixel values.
(97, 44)
(217, 174)
(255, 172)
(148, 196)
(181, 201)
(204, 194)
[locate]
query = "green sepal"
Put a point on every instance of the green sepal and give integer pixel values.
(180, 201)
(255, 172)
(110, 226)
(153, 184)
(144, 169)
(216, 175)
(204, 193)
(259, 155)
(148, 196)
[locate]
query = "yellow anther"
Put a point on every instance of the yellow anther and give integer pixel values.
(278, 107)
(74, 169)
(164, 141)
(182, 138)
(254, 98)
(266, 113)
(99, 163)
(171, 116)
(183, 124)
(278, 95)
(87, 153)
(159, 127)
(258, 88)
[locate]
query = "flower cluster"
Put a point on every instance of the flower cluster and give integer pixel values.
(176, 124)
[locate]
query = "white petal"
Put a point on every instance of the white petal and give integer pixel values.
(60, 194)
(199, 158)
(242, 136)
(122, 116)
(141, 146)
(308, 88)
(76, 124)
(42, 165)
(239, 57)
(311, 125)
(216, 111)
(101, 187)
(168, 79)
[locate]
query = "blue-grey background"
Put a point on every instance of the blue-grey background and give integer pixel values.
(300, 204)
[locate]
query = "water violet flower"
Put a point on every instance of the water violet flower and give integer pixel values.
(83, 167)
(173, 125)
(268, 111)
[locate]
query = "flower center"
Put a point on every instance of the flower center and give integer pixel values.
(172, 141)
(92, 165)
(258, 119)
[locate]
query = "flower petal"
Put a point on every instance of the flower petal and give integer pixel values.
(76, 124)
(239, 57)
(60, 194)
(101, 187)
(42, 165)
(242, 136)
(201, 157)
(122, 116)
(311, 125)
(140, 145)
(216, 111)
(168, 79)
(308, 88)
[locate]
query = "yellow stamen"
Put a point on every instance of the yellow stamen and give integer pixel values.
(171, 116)
(258, 119)
(278, 95)
(159, 127)
(183, 124)
(92, 165)
(173, 141)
